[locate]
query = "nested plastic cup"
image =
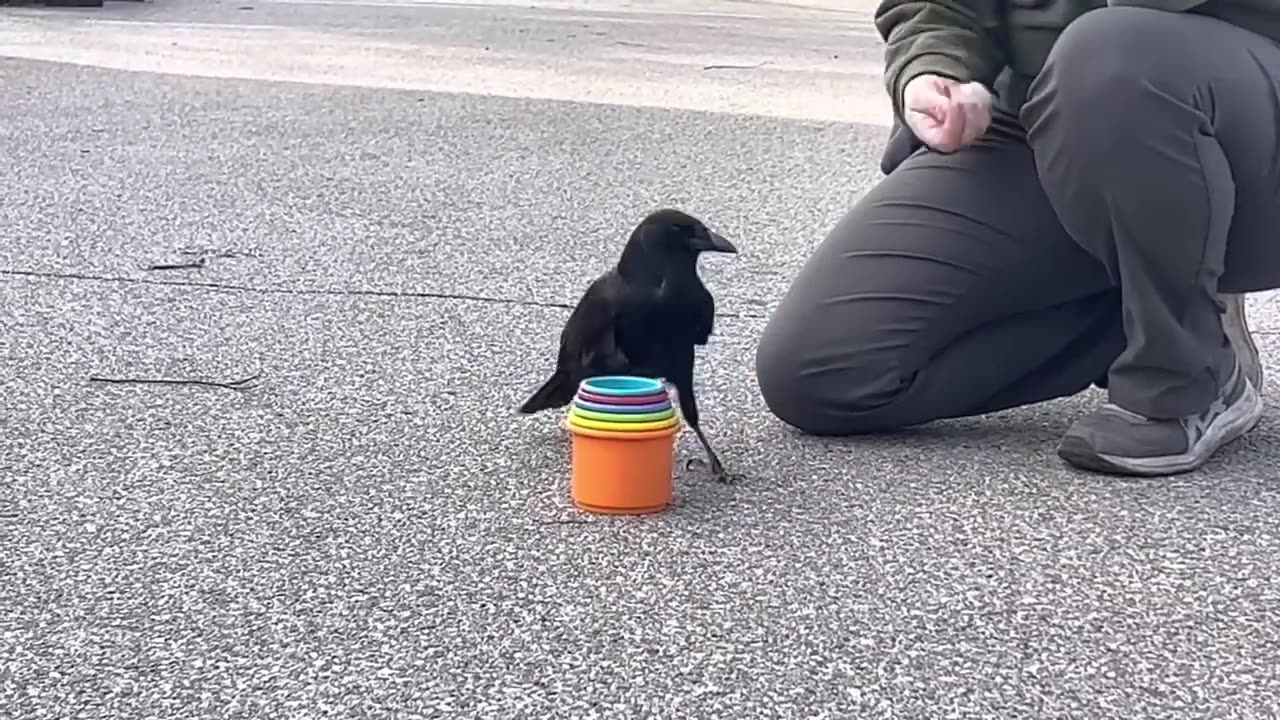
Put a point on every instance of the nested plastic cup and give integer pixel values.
(646, 409)
(624, 400)
(621, 386)
(625, 418)
(622, 473)
(577, 419)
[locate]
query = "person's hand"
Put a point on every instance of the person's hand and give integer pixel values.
(946, 115)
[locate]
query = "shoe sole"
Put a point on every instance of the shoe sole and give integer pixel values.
(1239, 420)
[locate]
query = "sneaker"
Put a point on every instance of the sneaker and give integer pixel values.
(1116, 441)
(1236, 326)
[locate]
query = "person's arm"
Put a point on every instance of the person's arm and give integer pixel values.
(950, 38)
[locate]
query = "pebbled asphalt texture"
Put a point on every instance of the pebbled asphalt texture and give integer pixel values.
(372, 531)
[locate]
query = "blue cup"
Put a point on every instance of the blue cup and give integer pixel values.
(622, 385)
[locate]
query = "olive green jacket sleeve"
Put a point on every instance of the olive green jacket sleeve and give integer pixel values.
(951, 38)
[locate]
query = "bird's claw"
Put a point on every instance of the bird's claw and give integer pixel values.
(718, 473)
(728, 478)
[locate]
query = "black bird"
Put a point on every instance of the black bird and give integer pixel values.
(643, 317)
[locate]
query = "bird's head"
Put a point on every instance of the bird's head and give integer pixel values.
(673, 234)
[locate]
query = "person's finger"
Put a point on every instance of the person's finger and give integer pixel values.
(943, 113)
(952, 132)
(925, 125)
(926, 97)
(935, 110)
(977, 120)
(934, 120)
(925, 121)
(972, 92)
(974, 102)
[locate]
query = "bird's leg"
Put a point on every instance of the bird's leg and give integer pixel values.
(689, 409)
(717, 469)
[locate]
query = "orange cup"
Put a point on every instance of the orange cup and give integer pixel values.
(622, 473)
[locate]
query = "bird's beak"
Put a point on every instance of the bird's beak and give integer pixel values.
(716, 242)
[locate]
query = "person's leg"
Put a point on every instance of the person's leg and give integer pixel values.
(950, 289)
(1155, 136)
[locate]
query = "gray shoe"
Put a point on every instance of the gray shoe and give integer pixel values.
(1236, 325)
(1116, 441)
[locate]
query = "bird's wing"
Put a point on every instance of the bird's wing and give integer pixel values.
(588, 338)
(692, 309)
(705, 318)
(643, 324)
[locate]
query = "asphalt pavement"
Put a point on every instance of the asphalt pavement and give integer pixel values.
(370, 530)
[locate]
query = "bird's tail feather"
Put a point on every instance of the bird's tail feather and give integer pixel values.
(556, 392)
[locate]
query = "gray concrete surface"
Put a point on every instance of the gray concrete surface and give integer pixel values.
(372, 531)
(801, 59)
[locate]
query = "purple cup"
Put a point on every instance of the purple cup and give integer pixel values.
(622, 409)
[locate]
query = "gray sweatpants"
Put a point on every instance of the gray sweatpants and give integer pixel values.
(1083, 239)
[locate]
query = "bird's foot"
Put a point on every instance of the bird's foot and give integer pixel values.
(718, 473)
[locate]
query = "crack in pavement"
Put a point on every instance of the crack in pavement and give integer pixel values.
(234, 287)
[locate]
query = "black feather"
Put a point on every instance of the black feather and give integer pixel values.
(643, 317)
(556, 392)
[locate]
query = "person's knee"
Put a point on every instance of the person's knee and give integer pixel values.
(1096, 73)
(779, 381)
(779, 376)
(791, 391)
(819, 392)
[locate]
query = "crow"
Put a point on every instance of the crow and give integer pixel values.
(643, 317)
